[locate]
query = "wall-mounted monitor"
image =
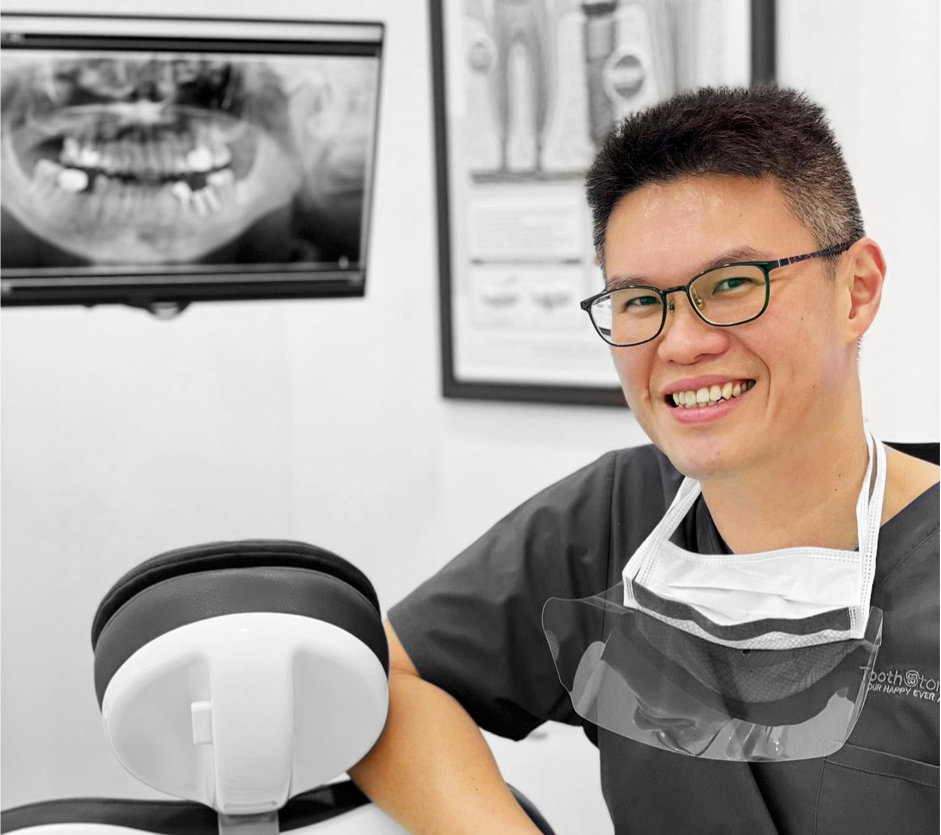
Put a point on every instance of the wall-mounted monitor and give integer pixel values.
(156, 161)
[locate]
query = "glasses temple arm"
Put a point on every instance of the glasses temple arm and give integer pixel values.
(830, 250)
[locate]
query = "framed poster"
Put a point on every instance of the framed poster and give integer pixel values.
(158, 161)
(524, 92)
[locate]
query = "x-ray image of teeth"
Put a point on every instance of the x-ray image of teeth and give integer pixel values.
(147, 159)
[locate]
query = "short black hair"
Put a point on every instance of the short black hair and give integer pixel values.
(756, 132)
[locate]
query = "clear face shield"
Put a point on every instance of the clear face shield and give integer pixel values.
(742, 657)
(641, 678)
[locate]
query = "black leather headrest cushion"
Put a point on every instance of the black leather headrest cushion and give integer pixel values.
(221, 578)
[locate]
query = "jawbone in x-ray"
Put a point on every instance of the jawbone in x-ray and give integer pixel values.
(145, 159)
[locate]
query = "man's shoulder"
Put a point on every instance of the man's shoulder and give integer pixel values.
(617, 478)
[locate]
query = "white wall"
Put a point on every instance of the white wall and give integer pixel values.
(124, 436)
(874, 66)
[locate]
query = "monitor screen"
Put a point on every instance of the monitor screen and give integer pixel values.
(157, 161)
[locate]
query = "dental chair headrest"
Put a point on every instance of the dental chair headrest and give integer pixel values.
(239, 674)
(221, 578)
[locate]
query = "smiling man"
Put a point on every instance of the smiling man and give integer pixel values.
(751, 573)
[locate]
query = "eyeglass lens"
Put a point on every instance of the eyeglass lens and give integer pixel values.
(724, 296)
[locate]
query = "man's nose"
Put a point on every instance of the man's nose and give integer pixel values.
(686, 337)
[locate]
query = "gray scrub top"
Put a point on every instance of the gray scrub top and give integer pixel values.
(475, 630)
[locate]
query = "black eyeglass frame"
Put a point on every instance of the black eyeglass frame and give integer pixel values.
(765, 266)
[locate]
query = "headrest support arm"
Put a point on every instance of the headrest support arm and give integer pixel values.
(263, 824)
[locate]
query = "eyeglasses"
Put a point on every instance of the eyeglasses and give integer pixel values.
(732, 294)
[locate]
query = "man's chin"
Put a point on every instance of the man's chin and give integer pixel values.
(701, 462)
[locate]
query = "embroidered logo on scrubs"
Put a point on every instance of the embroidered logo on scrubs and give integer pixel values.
(910, 683)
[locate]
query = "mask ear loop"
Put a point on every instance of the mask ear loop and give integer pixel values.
(868, 520)
(638, 567)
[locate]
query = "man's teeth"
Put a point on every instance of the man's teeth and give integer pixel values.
(710, 395)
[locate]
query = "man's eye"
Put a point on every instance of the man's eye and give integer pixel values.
(735, 283)
(641, 301)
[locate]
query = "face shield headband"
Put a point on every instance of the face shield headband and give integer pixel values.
(730, 657)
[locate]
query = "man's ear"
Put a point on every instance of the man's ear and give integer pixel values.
(862, 275)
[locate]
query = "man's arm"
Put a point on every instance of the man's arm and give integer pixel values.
(431, 769)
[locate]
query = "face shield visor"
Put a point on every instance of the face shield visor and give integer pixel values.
(644, 679)
(743, 657)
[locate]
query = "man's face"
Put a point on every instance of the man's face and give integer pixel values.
(794, 363)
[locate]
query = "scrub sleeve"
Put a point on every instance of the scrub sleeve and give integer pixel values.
(475, 628)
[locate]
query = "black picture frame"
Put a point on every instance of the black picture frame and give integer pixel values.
(157, 161)
(762, 66)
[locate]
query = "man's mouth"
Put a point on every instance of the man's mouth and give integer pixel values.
(708, 395)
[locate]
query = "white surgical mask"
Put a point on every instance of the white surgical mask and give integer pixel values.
(782, 599)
